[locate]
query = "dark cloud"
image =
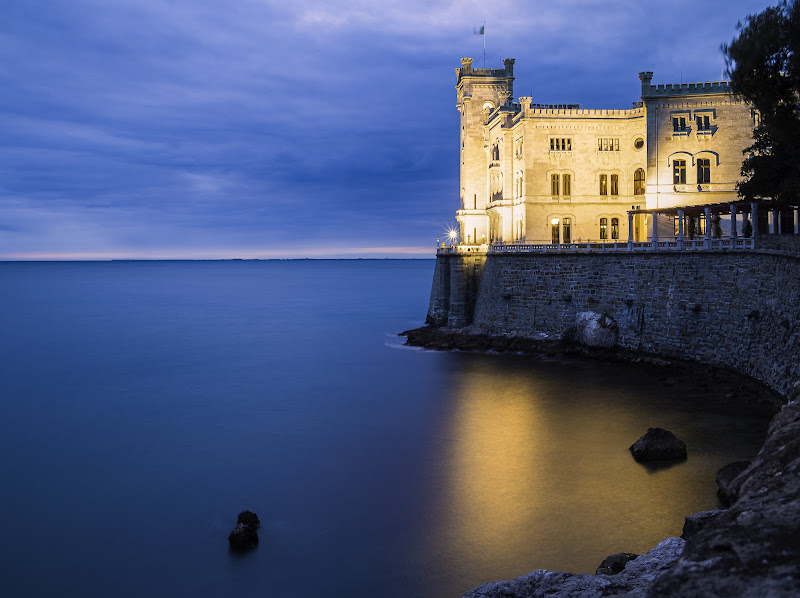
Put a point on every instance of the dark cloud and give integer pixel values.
(184, 128)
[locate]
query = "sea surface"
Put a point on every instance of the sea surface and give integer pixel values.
(144, 404)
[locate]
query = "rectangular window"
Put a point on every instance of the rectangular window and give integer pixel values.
(678, 124)
(701, 225)
(554, 185)
(703, 123)
(554, 232)
(615, 229)
(603, 229)
(607, 145)
(567, 184)
(703, 171)
(603, 184)
(560, 144)
(679, 172)
(614, 184)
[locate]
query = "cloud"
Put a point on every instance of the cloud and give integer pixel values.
(147, 126)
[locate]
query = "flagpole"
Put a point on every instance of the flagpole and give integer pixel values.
(484, 44)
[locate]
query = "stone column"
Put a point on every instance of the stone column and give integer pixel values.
(772, 222)
(754, 218)
(680, 229)
(796, 221)
(655, 232)
(778, 227)
(630, 231)
(708, 227)
(733, 222)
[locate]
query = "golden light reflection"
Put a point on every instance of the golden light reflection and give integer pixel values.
(538, 473)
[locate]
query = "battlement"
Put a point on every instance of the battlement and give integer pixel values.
(675, 89)
(467, 70)
(574, 110)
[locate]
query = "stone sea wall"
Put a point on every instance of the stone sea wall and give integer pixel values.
(737, 310)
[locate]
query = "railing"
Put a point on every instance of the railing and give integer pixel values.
(671, 245)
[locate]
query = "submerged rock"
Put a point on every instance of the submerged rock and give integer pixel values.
(728, 483)
(658, 444)
(615, 563)
(245, 535)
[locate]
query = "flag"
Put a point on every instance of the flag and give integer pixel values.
(480, 31)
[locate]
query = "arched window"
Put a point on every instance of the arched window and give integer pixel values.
(566, 235)
(638, 182)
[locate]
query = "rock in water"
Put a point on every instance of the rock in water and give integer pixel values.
(615, 563)
(249, 518)
(726, 480)
(245, 535)
(658, 444)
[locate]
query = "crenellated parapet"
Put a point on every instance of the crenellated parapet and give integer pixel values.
(680, 89)
(467, 70)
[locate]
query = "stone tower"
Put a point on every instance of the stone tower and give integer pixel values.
(479, 92)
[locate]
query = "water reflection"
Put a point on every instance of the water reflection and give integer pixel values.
(537, 472)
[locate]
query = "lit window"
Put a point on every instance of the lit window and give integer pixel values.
(603, 229)
(554, 231)
(603, 184)
(679, 172)
(554, 184)
(615, 229)
(566, 236)
(638, 182)
(567, 184)
(614, 184)
(703, 171)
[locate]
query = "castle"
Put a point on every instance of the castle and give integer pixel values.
(557, 174)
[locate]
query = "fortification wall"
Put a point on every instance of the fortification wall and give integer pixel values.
(735, 310)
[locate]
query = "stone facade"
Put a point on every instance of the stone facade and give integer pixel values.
(534, 173)
(736, 310)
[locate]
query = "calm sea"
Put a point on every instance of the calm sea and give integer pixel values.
(144, 404)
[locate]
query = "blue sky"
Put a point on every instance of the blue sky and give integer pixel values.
(261, 128)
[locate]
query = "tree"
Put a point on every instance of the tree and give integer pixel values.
(763, 64)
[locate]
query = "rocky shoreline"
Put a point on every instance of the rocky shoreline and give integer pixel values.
(750, 549)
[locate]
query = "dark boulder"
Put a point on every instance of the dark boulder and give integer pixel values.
(694, 523)
(245, 535)
(615, 563)
(249, 518)
(658, 444)
(727, 482)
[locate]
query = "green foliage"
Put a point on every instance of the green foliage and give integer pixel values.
(716, 227)
(763, 64)
(692, 227)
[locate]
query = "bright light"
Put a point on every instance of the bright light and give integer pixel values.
(452, 234)
(554, 221)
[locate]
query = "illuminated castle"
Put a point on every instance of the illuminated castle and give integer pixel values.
(533, 173)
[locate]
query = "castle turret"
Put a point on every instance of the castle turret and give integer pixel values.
(479, 92)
